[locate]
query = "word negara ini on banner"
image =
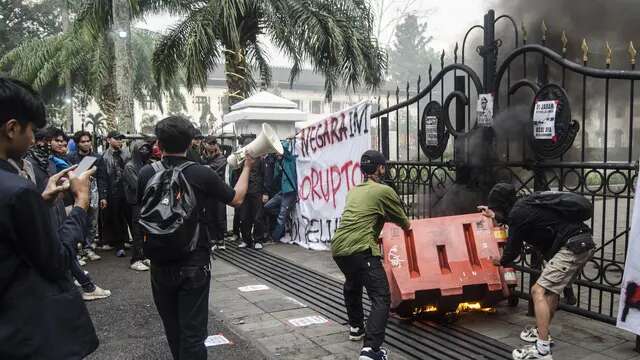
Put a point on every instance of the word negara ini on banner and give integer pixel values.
(328, 166)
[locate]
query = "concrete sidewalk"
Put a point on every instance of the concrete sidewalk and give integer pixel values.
(264, 317)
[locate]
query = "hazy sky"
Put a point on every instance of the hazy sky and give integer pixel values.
(448, 21)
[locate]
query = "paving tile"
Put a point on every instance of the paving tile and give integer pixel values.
(292, 346)
(624, 351)
(349, 348)
(293, 314)
(278, 304)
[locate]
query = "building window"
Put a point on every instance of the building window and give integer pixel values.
(316, 107)
(148, 104)
(298, 104)
(336, 106)
(200, 101)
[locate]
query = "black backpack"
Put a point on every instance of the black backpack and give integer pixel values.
(571, 206)
(168, 215)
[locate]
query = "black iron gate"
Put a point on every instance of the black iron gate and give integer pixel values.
(443, 162)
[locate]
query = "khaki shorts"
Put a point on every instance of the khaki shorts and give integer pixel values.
(561, 269)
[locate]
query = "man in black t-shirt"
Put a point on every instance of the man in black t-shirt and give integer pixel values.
(181, 289)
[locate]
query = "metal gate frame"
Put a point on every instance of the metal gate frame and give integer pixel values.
(603, 174)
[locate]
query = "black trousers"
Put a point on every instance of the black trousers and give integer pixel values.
(116, 221)
(216, 219)
(181, 295)
(137, 234)
(364, 270)
(252, 219)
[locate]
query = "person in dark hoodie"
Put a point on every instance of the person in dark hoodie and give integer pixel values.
(216, 211)
(37, 294)
(252, 209)
(140, 156)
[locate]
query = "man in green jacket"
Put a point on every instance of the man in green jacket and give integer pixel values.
(355, 249)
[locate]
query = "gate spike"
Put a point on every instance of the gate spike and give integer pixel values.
(419, 80)
(455, 53)
(632, 53)
(524, 33)
(609, 53)
(564, 40)
(544, 29)
(408, 87)
(585, 50)
(430, 70)
(442, 59)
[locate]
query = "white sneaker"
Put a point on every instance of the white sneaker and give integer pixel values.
(82, 262)
(530, 352)
(530, 335)
(96, 294)
(106, 247)
(257, 246)
(139, 266)
(76, 283)
(147, 262)
(356, 333)
(127, 245)
(242, 245)
(91, 255)
(221, 246)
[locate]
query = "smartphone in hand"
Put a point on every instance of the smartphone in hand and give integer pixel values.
(85, 164)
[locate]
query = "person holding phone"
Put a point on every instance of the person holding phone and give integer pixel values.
(84, 149)
(36, 293)
(356, 252)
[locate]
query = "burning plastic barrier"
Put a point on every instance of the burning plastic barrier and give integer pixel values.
(445, 266)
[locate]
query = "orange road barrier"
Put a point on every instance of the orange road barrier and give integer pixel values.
(444, 265)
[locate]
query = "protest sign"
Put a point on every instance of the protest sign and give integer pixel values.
(629, 308)
(484, 110)
(328, 165)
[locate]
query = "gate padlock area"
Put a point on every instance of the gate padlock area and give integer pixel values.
(444, 265)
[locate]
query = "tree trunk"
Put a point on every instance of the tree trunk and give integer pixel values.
(238, 76)
(68, 87)
(123, 71)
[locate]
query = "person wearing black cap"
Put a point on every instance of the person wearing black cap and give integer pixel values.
(355, 249)
(563, 239)
(195, 150)
(113, 204)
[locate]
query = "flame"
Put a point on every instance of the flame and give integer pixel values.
(462, 308)
(425, 309)
(473, 306)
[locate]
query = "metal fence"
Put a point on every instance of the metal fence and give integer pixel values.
(592, 153)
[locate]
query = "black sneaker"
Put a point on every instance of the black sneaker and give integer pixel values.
(356, 333)
(369, 354)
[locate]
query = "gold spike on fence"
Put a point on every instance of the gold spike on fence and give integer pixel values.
(609, 52)
(632, 53)
(585, 50)
(524, 33)
(544, 29)
(565, 41)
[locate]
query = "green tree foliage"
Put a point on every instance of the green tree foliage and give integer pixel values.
(336, 37)
(411, 54)
(22, 20)
(89, 58)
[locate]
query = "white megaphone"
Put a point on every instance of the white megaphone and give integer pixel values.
(266, 143)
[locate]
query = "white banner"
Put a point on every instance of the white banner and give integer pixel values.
(629, 308)
(328, 166)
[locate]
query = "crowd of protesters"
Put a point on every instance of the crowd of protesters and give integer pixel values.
(58, 221)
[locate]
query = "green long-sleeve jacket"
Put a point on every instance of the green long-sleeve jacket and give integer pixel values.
(369, 205)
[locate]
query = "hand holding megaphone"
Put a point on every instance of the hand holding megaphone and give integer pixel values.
(266, 143)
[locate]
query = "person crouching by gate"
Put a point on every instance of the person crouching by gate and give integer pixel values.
(552, 222)
(356, 252)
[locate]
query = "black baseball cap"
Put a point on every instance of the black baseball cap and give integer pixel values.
(211, 140)
(115, 134)
(370, 161)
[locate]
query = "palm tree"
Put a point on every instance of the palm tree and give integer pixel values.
(335, 37)
(148, 121)
(90, 59)
(97, 123)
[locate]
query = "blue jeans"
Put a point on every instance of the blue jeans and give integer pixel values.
(280, 205)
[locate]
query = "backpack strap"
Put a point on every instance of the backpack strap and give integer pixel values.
(157, 166)
(185, 165)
